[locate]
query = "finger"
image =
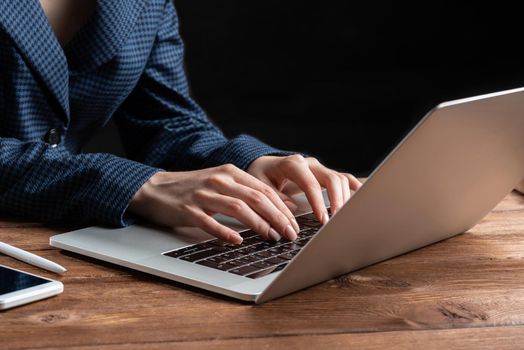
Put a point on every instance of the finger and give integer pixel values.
(297, 170)
(354, 183)
(331, 181)
(264, 207)
(256, 184)
(207, 223)
(238, 209)
(291, 206)
(249, 180)
(346, 192)
(288, 201)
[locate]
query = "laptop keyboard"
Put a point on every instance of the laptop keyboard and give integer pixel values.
(254, 257)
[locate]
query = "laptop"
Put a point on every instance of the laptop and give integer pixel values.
(455, 165)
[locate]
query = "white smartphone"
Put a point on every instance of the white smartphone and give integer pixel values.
(18, 287)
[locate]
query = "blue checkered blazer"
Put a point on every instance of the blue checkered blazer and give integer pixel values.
(126, 63)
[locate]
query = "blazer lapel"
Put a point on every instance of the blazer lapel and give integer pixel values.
(95, 44)
(104, 34)
(25, 22)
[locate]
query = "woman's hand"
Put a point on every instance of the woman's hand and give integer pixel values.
(190, 198)
(256, 197)
(310, 176)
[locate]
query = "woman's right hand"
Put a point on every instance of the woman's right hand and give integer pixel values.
(177, 199)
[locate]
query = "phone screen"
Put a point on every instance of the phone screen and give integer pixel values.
(12, 280)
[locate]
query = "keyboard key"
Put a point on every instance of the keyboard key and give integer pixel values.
(218, 258)
(184, 251)
(286, 256)
(283, 241)
(235, 263)
(264, 254)
(292, 246)
(313, 224)
(200, 255)
(251, 258)
(247, 250)
(247, 259)
(226, 266)
(306, 217)
(219, 242)
(276, 250)
(307, 229)
(249, 233)
(244, 270)
(302, 242)
(208, 263)
(204, 245)
(309, 232)
(286, 247)
(219, 266)
(232, 255)
(263, 264)
(252, 240)
(259, 245)
(266, 245)
(294, 252)
(309, 216)
(267, 271)
(220, 249)
(276, 260)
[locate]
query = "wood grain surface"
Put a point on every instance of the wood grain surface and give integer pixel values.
(465, 292)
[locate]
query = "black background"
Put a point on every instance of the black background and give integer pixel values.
(341, 80)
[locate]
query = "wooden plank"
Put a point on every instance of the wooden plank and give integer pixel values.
(134, 308)
(500, 338)
(472, 280)
(28, 235)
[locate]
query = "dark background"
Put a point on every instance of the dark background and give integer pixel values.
(343, 81)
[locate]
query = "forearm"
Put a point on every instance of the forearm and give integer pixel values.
(50, 184)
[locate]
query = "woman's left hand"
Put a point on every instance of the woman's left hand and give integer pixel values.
(310, 176)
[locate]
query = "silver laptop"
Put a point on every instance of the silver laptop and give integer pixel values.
(460, 160)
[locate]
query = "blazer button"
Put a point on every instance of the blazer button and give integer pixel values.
(52, 137)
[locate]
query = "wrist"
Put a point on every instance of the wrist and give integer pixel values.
(146, 192)
(257, 163)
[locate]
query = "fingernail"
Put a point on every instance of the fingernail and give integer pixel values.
(295, 226)
(325, 218)
(292, 206)
(237, 239)
(274, 235)
(290, 233)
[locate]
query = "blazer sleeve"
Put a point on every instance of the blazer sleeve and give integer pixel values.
(161, 125)
(50, 184)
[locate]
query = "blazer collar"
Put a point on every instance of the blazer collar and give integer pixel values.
(26, 23)
(95, 44)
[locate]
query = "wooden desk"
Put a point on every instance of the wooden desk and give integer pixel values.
(466, 292)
